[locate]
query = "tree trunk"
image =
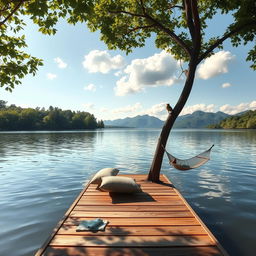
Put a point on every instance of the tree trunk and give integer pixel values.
(155, 169)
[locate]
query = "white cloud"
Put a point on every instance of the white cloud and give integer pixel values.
(88, 106)
(202, 107)
(90, 87)
(157, 70)
(226, 85)
(60, 62)
(215, 65)
(158, 110)
(136, 109)
(101, 61)
(51, 76)
(118, 73)
(103, 110)
(131, 109)
(238, 108)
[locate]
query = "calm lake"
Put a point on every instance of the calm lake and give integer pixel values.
(41, 173)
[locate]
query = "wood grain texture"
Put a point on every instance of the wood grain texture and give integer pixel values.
(131, 241)
(137, 230)
(132, 251)
(157, 221)
(130, 208)
(139, 221)
(126, 214)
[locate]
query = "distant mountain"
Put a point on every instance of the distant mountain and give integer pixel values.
(144, 121)
(198, 119)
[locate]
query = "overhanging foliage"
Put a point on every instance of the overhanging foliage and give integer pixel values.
(124, 24)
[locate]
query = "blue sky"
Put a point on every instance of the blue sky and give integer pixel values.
(80, 73)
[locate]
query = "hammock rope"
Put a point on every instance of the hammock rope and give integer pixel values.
(191, 163)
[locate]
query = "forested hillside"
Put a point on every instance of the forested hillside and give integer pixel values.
(246, 120)
(144, 121)
(199, 119)
(13, 118)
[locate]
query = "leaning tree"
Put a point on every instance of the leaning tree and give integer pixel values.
(178, 26)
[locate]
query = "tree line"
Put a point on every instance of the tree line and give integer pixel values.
(244, 121)
(13, 118)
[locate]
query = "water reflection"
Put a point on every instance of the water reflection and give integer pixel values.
(32, 143)
(42, 173)
(214, 185)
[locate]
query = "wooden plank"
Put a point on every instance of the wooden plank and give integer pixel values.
(155, 192)
(127, 197)
(152, 193)
(84, 214)
(131, 241)
(140, 221)
(109, 202)
(130, 208)
(135, 230)
(132, 251)
(157, 221)
(145, 199)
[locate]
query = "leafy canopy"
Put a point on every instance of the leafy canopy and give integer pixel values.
(178, 26)
(125, 24)
(15, 63)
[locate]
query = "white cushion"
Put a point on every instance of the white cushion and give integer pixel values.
(119, 184)
(102, 173)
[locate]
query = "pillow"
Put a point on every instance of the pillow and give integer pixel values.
(102, 173)
(119, 184)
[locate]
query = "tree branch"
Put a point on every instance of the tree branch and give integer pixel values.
(142, 6)
(129, 13)
(13, 11)
(171, 34)
(161, 26)
(188, 13)
(221, 40)
(197, 27)
(176, 6)
(140, 27)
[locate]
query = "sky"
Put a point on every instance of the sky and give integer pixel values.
(81, 74)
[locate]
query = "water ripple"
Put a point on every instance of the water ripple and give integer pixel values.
(42, 173)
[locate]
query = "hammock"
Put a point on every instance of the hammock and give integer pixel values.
(190, 163)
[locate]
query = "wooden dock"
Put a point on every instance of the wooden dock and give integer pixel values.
(157, 221)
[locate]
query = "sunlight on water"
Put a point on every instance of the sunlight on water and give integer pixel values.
(41, 173)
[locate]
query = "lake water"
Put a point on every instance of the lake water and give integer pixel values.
(41, 173)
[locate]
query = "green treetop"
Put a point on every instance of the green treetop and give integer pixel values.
(15, 63)
(178, 25)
